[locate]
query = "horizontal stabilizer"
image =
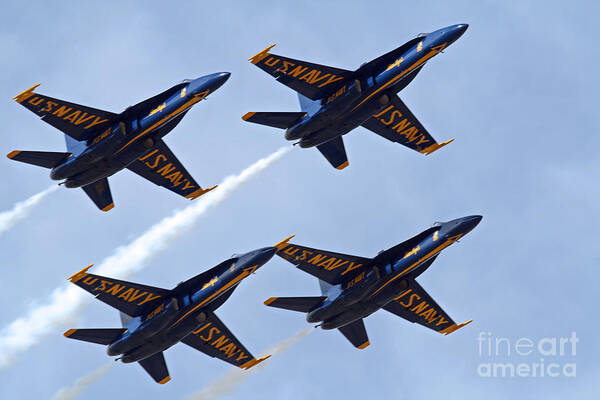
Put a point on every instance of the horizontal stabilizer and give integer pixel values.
(356, 333)
(100, 336)
(302, 304)
(46, 159)
(99, 193)
(282, 120)
(335, 152)
(156, 367)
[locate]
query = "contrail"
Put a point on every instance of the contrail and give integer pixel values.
(9, 218)
(81, 384)
(67, 301)
(227, 383)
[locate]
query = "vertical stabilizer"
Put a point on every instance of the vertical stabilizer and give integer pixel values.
(324, 286)
(307, 105)
(74, 147)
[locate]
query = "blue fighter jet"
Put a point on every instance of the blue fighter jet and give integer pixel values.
(101, 143)
(155, 319)
(335, 101)
(355, 287)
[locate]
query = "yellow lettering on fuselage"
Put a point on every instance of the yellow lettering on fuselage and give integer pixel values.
(156, 311)
(337, 94)
(101, 136)
(354, 281)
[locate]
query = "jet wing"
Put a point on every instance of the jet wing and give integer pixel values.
(161, 167)
(328, 266)
(335, 152)
(311, 80)
(415, 305)
(99, 192)
(130, 298)
(356, 333)
(397, 124)
(156, 367)
(79, 122)
(214, 339)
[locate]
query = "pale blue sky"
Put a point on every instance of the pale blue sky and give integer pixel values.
(518, 92)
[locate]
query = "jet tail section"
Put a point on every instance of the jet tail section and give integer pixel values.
(46, 159)
(156, 367)
(74, 147)
(301, 304)
(281, 120)
(335, 152)
(356, 333)
(99, 336)
(99, 192)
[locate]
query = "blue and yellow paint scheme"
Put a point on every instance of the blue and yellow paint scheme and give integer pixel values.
(155, 319)
(101, 143)
(335, 101)
(355, 287)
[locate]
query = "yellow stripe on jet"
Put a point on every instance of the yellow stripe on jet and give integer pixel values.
(247, 271)
(258, 57)
(442, 246)
(185, 106)
(21, 97)
(448, 330)
(13, 154)
(253, 362)
(197, 193)
(434, 50)
(283, 244)
(80, 275)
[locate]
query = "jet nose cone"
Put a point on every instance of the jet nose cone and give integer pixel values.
(262, 256)
(219, 79)
(453, 32)
(470, 222)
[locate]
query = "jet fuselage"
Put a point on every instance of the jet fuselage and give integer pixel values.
(356, 102)
(185, 312)
(371, 290)
(134, 134)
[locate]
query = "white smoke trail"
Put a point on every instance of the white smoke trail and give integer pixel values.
(81, 384)
(66, 302)
(227, 383)
(21, 210)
